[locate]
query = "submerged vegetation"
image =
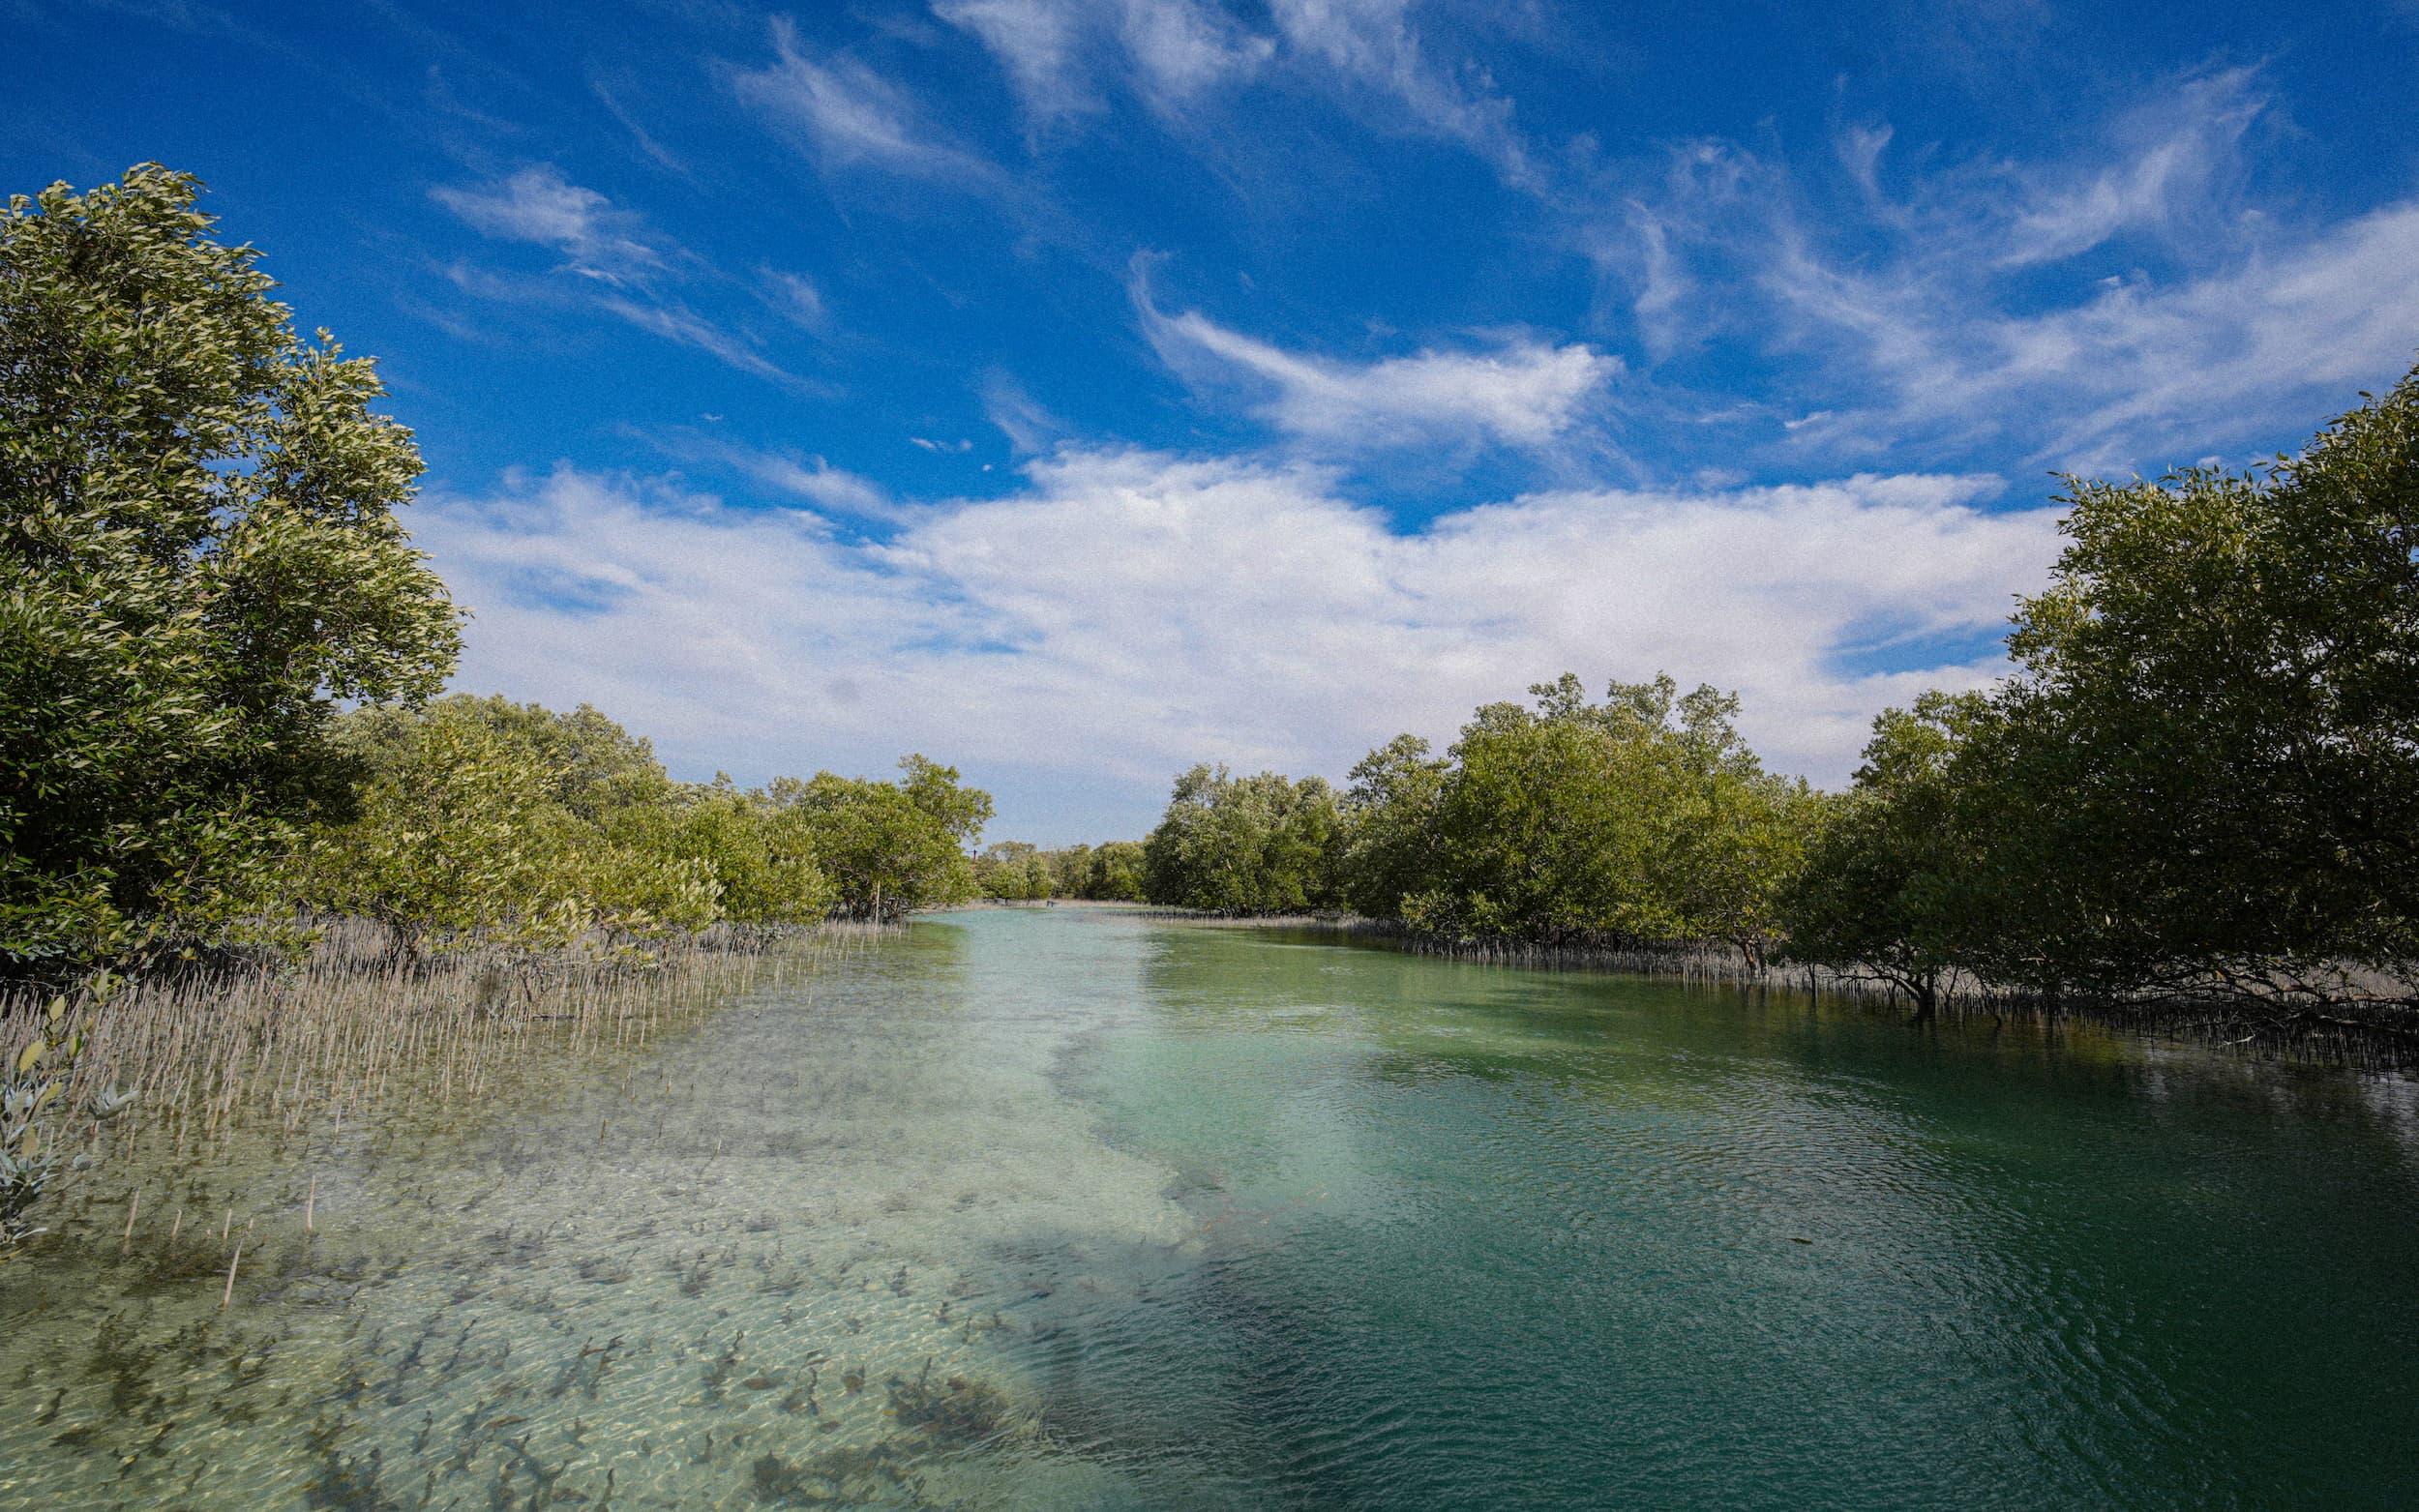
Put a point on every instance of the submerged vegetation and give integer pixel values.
(2198, 783)
(270, 1054)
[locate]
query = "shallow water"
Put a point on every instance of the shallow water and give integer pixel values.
(1080, 1208)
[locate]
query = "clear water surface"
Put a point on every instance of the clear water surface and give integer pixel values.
(1081, 1208)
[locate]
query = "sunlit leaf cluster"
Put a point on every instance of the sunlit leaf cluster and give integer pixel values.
(203, 554)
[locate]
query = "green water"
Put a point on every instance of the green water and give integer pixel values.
(1080, 1208)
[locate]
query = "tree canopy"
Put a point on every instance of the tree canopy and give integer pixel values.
(206, 562)
(1644, 818)
(1260, 844)
(479, 821)
(199, 519)
(2202, 777)
(890, 849)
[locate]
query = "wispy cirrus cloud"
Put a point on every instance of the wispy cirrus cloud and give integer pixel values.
(538, 205)
(675, 321)
(2125, 297)
(832, 491)
(2172, 166)
(1374, 45)
(849, 117)
(2122, 377)
(655, 152)
(796, 297)
(2192, 362)
(2099, 311)
(613, 262)
(2168, 169)
(1062, 55)
(1017, 415)
(1040, 43)
(1181, 48)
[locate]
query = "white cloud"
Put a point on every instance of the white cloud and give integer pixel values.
(2138, 370)
(2170, 168)
(2207, 359)
(1963, 311)
(2170, 159)
(1057, 51)
(852, 116)
(1037, 42)
(1182, 49)
(615, 264)
(1018, 415)
(1130, 612)
(1521, 392)
(677, 322)
(540, 206)
(795, 296)
(833, 491)
(1062, 56)
(1372, 44)
(656, 152)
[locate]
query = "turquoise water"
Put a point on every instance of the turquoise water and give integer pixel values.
(1081, 1208)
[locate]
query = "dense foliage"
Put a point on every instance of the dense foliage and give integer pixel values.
(2201, 778)
(1261, 845)
(199, 556)
(1890, 884)
(204, 564)
(1643, 819)
(1014, 871)
(481, 819)
(890, 848)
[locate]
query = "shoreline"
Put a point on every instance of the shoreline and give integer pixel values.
(2279, 1032)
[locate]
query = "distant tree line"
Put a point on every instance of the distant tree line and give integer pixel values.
(202, 566)
(483, 819)
(2198, 778)
(1643, 819)
(1016, 871)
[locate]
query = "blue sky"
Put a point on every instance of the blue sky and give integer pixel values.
(1074, 389)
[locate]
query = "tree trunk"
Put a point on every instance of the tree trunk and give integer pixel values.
(1927, 993)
